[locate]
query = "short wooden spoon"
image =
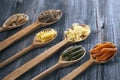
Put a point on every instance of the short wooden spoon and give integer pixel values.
(61, 63)
(46, 54)
(83, 67)
(29, 29)
(35, 44)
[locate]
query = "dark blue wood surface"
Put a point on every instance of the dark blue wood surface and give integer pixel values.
(102, 15)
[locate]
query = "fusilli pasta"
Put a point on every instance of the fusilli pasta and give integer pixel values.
(45, 35)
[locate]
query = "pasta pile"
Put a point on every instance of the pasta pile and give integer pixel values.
(45, 35)
(103, 51)
(77, 32)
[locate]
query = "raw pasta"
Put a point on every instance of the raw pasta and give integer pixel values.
(77, 32)
(45, 35)
(103, 51)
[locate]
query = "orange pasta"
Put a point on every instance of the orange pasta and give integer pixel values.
(105, 45)
(97, 55)
(106, 57)
(108, 49)
(103, 51)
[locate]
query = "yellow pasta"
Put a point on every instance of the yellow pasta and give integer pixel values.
(45, 35)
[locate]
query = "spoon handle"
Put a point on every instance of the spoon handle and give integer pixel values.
(17, 55)
(78, 70)
(27, 66)
(46, 72)
(19, 35)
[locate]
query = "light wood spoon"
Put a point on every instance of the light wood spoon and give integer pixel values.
(83, 67)
(35, 44)
(18, 20)
(61, 63)
(46, 54)
(29, 29)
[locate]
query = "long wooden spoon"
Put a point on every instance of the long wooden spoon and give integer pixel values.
(27, 66)
(61, 63)
(35, 44)
(39, 23)
(83, 67)
(14, 21)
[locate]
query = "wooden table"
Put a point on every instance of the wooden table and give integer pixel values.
(102, 15)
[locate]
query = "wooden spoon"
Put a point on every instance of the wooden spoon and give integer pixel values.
(35, 44)
(29, 29)
(17, 19)
(83, 67)
(30, 64)
(61, 63)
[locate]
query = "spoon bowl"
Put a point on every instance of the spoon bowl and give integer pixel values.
(101, 62)
(57, 14)
(67, 63)
(18, 20)
(38, 44)
(83, 25)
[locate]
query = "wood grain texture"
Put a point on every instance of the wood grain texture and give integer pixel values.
(102, 15)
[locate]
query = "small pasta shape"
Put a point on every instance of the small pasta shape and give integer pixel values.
(77, 32)
(45, 35)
